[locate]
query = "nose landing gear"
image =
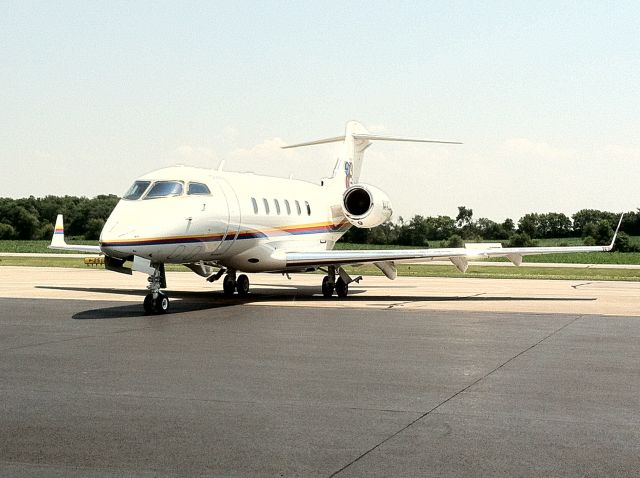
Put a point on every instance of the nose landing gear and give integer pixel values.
(156, 302)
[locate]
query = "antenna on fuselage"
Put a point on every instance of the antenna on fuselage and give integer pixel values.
(221, 165)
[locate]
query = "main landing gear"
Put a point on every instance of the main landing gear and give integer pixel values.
(339, 285)
(156, 302)
(230, 284)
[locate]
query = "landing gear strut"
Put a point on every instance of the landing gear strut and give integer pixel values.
(156, 302)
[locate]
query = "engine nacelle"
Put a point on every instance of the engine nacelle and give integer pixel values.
(366, 206)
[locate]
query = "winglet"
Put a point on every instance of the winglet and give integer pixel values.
(615, 234)
(58, 233)
(58, 242)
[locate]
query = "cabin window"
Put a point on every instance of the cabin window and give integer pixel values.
(255, 205)
(306, 203)
(275, 201)
(287, 207)
(198, 188)
(266, 205)
(163, 189)
(136, 190)
(298, 207)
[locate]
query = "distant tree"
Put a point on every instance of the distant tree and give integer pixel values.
(93, 228)
(508, 226)
(623, 243)
(603, 232)
(25, 223)
(489, 229)
(464, 217)
(529, 224)
(521, 239)
(554, 224)
(586, 216)
(356, 235)
(454, 241)
(7, 231)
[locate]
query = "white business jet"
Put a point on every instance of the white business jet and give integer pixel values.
(220, 223)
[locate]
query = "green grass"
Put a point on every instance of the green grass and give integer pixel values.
(507, 272)
(39, 247)
(404, 270)
(573, 258)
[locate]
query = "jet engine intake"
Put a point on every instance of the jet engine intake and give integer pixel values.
(366, 206)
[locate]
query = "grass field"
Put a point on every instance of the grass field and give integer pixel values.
(39, 247)
(579, 258)
(405, 270)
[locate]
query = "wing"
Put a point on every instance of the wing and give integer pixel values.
(458, 256)
(58, 242)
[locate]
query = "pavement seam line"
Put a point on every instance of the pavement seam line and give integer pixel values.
(459, 392)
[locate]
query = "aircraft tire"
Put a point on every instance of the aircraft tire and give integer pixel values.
(342, 288)
(228, 285)
(242, 285)
(162, 303)
(327, 287)
(148, 304)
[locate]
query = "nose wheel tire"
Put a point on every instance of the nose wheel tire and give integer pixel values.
(327, 287)
(242, 285)
(342, 288)
(229, 285)
(158, 306)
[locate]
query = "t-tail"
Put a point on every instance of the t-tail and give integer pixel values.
(355, 142)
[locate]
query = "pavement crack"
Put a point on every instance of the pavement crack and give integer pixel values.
(580, 285)
(459, 392)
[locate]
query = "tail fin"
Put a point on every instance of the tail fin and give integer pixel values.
(355, 141)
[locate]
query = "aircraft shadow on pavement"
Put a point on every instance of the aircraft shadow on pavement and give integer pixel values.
(189, 301)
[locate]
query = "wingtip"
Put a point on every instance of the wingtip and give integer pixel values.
(615, 234)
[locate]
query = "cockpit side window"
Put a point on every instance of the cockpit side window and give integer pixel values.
(136, 190)
(164, 189)
(198, 188)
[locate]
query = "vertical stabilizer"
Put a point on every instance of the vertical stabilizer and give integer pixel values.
(349, 164)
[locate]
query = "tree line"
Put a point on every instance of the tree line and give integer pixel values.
(593, 226)
(34, 218)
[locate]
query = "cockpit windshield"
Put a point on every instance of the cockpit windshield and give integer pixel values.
(136, 190)
(164, 189)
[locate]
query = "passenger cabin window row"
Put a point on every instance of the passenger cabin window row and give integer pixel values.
(163, 189)
(278, 210)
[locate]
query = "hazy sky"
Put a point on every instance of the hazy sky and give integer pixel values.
(545, 96)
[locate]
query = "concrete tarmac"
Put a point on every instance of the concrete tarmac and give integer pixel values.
(90, 386)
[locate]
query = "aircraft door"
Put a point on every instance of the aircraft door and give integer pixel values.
(206, 220)
(234, 215)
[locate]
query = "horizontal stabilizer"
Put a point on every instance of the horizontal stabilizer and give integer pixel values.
(335, 139)
(375, 137)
